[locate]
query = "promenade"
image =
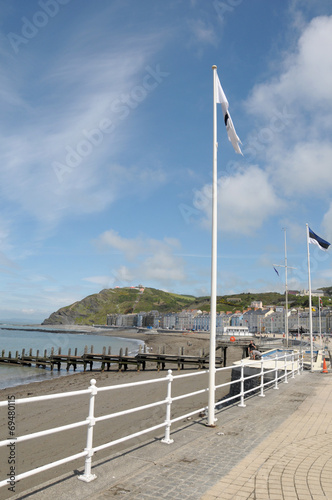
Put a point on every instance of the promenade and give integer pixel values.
(276, 448)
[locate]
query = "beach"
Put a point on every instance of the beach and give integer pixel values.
(34, 417)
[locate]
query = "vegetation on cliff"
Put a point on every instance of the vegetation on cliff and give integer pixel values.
(94, 308)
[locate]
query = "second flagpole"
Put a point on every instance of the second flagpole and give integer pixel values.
(213, 306)
(310, 304)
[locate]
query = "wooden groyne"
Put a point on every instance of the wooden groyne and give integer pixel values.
(105, 359)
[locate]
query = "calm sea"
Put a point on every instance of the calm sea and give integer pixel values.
(12, 339)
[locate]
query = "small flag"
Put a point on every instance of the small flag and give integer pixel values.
(313, 238)
(232, 135)
(276, 270)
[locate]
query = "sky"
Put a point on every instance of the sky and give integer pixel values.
(106, 150)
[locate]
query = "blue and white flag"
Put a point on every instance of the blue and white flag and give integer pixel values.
(317, 240)
(276, 270)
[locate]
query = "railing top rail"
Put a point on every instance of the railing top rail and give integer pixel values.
(192, 374)
(132, 384)
(48, 396)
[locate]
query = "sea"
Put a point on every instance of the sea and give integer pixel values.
(15, 337)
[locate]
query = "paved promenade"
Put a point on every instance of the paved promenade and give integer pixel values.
(276, 448)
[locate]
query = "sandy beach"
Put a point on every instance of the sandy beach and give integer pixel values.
(34, 417)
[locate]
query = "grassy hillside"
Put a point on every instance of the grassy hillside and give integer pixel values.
(94, 308)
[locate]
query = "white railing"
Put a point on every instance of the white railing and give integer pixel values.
(283, 367)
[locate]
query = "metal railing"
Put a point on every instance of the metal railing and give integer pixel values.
(284, 366)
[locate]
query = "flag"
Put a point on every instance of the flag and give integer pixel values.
(276, 270)
(313, 238)
(232, 135)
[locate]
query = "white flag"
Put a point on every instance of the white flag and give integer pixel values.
(232, 135)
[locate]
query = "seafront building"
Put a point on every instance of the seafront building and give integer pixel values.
(258, 320)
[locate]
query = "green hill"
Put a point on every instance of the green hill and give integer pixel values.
(94, 308)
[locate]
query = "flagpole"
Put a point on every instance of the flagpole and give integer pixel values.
(310, 304)
(213, 306)
(286, 292)
(320, 322)
(286, 289)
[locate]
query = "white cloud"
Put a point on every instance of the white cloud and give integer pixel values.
(245, 201)
(294, 116)
(306, 78)
(294, 113)
(103, 281)
(304, 169)
(52, 164)
(327, 224)
(129, 247)
(152, 260)
(203, 33)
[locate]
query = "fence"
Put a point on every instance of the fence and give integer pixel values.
(265, 372)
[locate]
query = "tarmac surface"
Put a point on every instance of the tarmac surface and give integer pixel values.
(278, 447)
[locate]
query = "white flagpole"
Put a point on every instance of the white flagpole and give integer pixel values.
(310, 304)
(213, 307)
(286, 292)
(320, 323)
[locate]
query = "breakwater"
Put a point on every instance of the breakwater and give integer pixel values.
(105, 359)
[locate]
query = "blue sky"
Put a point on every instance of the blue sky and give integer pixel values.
(106, 146)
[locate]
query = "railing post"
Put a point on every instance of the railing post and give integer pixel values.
(276, 373)
(293, 364)
(87, 476)
(262, 379)
(285, 368)
(167, 438)
(242, 405)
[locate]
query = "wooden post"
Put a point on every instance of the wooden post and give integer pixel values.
(103, 361)
(120, 356)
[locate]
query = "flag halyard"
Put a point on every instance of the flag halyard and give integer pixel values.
(231, 132)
